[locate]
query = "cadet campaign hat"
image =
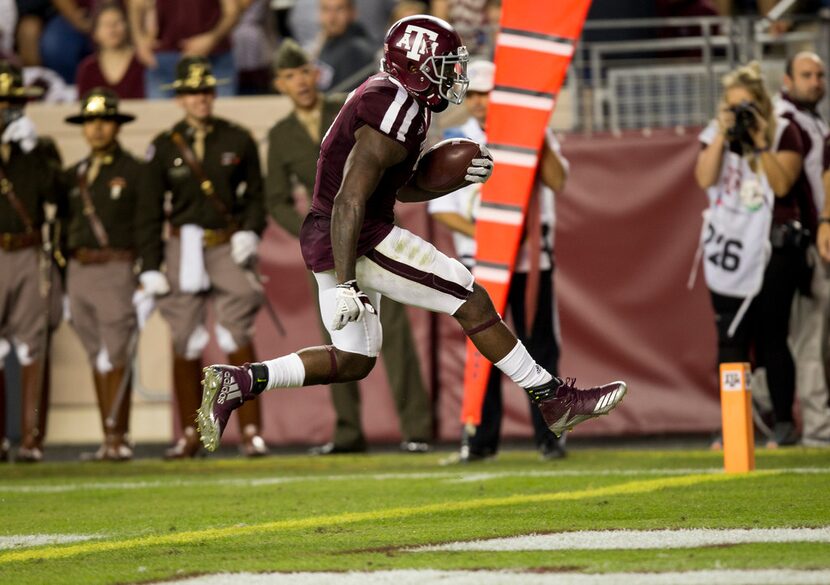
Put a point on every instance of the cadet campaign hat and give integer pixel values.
(289, 56)
(11, 84)
(481, 75)
(100, 103)
(193, 75)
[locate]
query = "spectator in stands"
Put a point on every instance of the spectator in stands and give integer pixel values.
(66, 41)
(253, 45)
(804, 88)
(8, 24)
(346, 50)
(470, 19)
(531, 289)
(293, 150)
(55, 89)
(115, 65)
(753, 243)
(373, 15)
(304, 23)
(163, 32)
(406, 8)
(31, 14)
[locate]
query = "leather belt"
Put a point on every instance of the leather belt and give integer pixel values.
(11, 242)
(211, 237)
(102, 255)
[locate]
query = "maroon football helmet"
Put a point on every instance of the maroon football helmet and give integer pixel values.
(426, 55)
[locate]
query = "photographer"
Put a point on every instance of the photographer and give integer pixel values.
(754, 238)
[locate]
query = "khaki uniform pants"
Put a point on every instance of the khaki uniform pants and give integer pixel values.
(236, 299)
(23, 315)
(100, 301)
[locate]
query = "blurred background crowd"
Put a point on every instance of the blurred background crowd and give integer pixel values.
(70, 46)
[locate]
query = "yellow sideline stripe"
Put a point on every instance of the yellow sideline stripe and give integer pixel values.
(184, 538)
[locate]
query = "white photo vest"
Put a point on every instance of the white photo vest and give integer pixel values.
(735, 244)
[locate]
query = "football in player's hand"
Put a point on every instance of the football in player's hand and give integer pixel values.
(444, 166)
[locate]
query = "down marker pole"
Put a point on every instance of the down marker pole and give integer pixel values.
(736, 416)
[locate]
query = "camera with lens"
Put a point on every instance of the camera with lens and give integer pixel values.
(791, 234)
(745, 122)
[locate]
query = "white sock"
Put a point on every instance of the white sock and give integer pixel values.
(523, 369)
(287, 371)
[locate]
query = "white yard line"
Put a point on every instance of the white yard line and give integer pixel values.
(636, 539)
(16, 541)
(450, 477)
(416, 577)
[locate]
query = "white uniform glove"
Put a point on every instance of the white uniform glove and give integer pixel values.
(243, 246)
(23, 132)
(144, 303)
(480, 168)
(154, 282)
(352, 304)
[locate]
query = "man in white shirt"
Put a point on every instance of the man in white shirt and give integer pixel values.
(534, 315)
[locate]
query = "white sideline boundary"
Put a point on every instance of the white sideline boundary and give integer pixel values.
(636, 539)
(449, 477)
(419, 577)
(15, 541)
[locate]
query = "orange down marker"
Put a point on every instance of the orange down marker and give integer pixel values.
(736, 415)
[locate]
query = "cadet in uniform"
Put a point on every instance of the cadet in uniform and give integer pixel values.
(211, 168)
(29, 288)
(293, 149)
(105, 189)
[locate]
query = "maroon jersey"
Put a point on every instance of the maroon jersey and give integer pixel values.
(130, 86)
(383, 104)
(181, 19)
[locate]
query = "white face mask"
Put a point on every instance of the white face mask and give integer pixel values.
(449, 73)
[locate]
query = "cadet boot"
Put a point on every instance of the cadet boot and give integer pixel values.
(31, 447)
(249, 415)
(186, 377)
(45, 393)
(118, 447)
(99, 381)
(100, 384)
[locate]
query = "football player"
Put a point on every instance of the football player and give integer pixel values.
(357, 254)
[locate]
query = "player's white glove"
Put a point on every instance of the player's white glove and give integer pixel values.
(352, 304)
(243, 246)
(23, 132)
(480, 168)
(154, 283)
(144, 303)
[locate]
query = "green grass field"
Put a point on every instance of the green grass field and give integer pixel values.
(150, 520)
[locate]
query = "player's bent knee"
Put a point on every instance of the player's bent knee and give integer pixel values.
(477, 309)
(353, 366)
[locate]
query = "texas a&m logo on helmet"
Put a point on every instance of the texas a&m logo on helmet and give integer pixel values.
(426, 55)
(417, 41)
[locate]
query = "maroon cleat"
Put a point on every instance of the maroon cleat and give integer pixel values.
(225, 388)
(564, 406)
